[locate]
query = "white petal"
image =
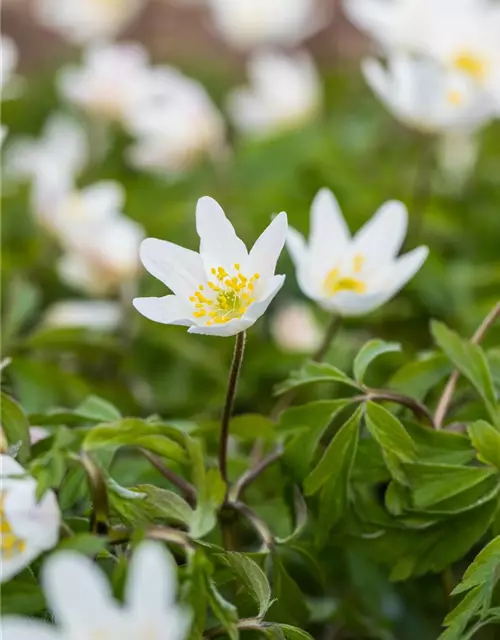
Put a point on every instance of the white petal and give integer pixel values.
(103, 198)
(297, 247)
(231, 328)
(330, 235)
(9, 466)
(151, 581)
(272, 287)
(104, 315)
(404, 268)
(179, 268)
(267, 249)
(348, 303)
(166, 310)
(18, 628)
(382, 236)
(36, 521)
(219, 244)
(377, 78)
(78, 593)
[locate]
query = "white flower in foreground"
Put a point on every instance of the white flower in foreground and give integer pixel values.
(8, 62)
(83, 21)
(353, 276)
(284, 93)
(28, 526)
(223, 289)
(109, 81)
(83, 605)
(102, 315)
(175, 123)
(423, 95)
(250, 23)
(295, 329)
(63, 144)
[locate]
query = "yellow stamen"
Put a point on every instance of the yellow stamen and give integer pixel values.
(455, 97)
(10, 544)
(471, 64)
(236, 266)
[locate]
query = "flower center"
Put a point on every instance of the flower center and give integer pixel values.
(339, 279)
(455, 98)
(228, 296)
(10, 544)
(471, 64)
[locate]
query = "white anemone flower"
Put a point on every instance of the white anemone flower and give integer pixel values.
(353, 276)
(175, 125)
(284, 93)
(109, 81)
(100, 315)
(28, 526)
(83, 605)
(246, 24)
(423, 95)
(85, 21)
(63, 144)
(223, 289)
(8, 64)
(295, 329)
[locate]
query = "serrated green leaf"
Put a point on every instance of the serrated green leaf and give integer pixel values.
(16, 426)
(251, 426)
(133, 432)
(20, 597)
(389, 433)
(294, 633)
(225, 612)
(485, 567)
(252, 578)
(162, 503)
(439, 446)
(368, 353)
(315, 372)
(96, 408)
(289, 605)
(417, 378)
(486, 441)
(470, 360)
(458, 619)
(315, 417)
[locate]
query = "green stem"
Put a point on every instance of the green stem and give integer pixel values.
(239, 350)
(99, 521)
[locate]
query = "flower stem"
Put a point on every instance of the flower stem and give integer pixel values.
(187, 490)
(99, 521)
(449, 390)
(422, 187)
(239, 350)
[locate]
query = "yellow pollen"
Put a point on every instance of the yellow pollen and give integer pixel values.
(10, 544)
(201, 287)
(470, 64)
(455, 97)
(336, 281)
(236, 266)
(256, 276)
(359, 262)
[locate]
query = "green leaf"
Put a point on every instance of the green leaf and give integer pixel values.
(416, 379)
(439, 446)
(315, 418)
(458, 619)
(315, 372)
(86, 543)
(389, 433)
(22, 301)
(252, 426)
(98, 409)
(194, 591)
(335, 465)
(367, 354)
(165, 504)
(289, 605)
(16, 427)
(433, 483)
(470, 360)
(21, 597)
(225, 612)
(251, 577)
(486, 440)
(294, 633)
(485, 567)
(136, 433)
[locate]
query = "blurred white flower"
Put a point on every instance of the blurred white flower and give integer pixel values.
(423, 95)
(295, 329)
(62, 144)
(8, 64)
(37, 434)
(109, 81)
(353, 276)
(175, 123)
(28, 526)
(84, 21)
(250, 23)
(102, 315)
(284, 93)
(83, 605)
(223, 289)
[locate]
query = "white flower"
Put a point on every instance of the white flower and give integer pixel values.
(176, 123)
(103, 315)
(8, 62)
(83, 21)
(250, 23)
(284, 93)
(28, 526)
(37, 434)
(221, 290)
(353, 276)
(63, 144)
(295, 329)
(423, 95)
(109, 82)
(83, 605)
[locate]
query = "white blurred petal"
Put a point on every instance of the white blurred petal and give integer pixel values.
(268, 247)
(166, 310)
